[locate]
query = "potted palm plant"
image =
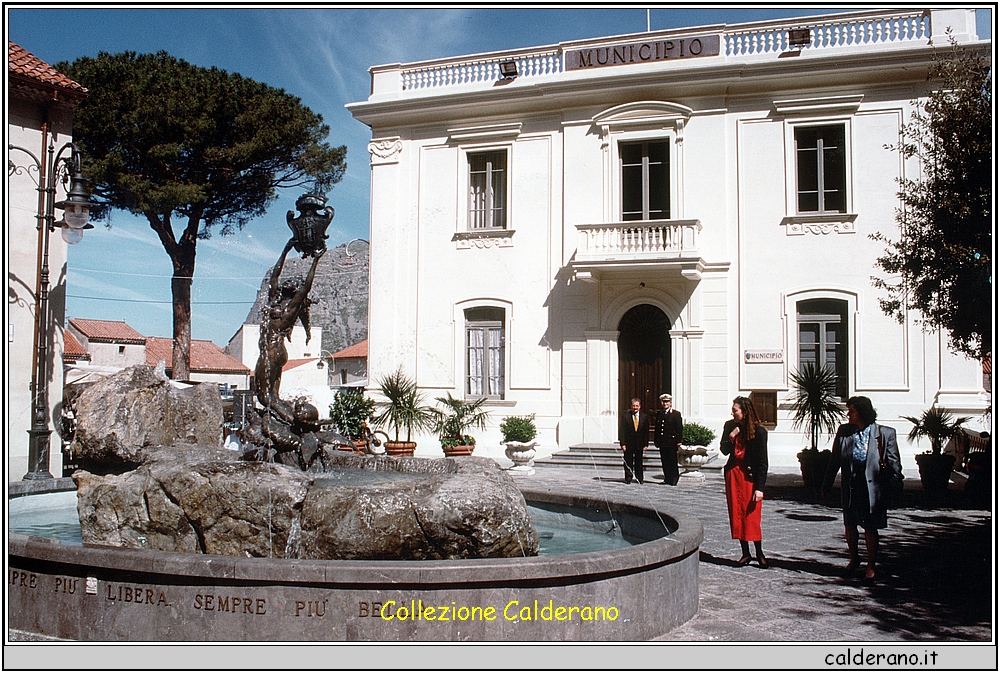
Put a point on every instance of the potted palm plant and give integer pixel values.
(402, 410)
(455, 420)
(350, 411)
(938, 425)
(817, 408)
(519, 433)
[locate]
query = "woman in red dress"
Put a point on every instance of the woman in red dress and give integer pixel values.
(745, 442)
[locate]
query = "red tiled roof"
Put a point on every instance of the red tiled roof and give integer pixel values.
(358, 350)
(107, 330)
(21, 62)
(292, 364)
(206, 357)
(72, 350)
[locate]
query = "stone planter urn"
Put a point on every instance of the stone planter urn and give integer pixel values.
(522, 454)
(691, 458)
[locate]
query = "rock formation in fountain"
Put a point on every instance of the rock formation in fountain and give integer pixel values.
(198, 499)
(158, 479)
(122, 414)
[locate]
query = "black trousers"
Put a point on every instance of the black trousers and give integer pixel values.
(633, 463)
(668, 458)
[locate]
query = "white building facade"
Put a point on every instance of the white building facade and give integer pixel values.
(685, 211)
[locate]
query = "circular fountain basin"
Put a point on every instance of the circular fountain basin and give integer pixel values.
(633, 592)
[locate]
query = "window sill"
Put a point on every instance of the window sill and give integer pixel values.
(819, 223)
(493, 403)
(484, 238)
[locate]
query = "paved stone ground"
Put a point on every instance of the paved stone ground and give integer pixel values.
(934, 578)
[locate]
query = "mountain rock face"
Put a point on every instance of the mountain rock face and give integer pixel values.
(339, 294)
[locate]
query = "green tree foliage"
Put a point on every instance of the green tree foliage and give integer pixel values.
(168, 140)
(941, 265)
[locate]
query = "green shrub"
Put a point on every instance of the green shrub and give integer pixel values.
(349, 412)
(519, 429)
(696, 434)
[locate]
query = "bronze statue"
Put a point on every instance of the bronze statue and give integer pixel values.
(283, 430)
(287, 303)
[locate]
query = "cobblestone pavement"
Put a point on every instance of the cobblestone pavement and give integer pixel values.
(934, 575)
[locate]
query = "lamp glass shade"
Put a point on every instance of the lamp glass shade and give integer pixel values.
(76, 215)
(72, 236)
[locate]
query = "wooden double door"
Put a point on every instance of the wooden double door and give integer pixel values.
(643, 357)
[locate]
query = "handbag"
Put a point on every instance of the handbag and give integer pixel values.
(890, 486)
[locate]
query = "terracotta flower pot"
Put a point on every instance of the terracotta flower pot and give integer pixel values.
(399, 448)
(459, 450)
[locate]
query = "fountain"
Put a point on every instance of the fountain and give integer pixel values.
(640, 591)
(180, 540)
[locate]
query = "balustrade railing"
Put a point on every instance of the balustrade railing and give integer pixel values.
(834, 32)
(637, 239)
(868, 29)
(545, 62)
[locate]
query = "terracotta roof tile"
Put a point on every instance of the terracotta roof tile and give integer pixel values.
(72, 349)
(107, 330)
(206, 357)
(22, 62)
(358, 350)
(292, 364)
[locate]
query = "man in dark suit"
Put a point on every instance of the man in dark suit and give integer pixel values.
(633, 436)
(667, 437)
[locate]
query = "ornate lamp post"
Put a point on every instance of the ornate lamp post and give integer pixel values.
(76, 208)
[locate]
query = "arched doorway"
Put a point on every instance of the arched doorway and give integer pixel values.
(643, 356)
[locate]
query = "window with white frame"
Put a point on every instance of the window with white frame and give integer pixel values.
(488, 189)
(821, 169)
(645, 180)
(484, 346)
(822, 331)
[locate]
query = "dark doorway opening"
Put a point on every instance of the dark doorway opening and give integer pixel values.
(643, 356)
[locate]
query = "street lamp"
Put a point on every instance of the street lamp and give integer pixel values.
(76, 208)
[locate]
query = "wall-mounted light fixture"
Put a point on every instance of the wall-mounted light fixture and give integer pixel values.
(508, 69)
(799, 37)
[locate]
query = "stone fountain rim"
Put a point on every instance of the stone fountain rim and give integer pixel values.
(683, 541)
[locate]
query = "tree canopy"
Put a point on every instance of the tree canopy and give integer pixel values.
(941, 265)
(166, 139)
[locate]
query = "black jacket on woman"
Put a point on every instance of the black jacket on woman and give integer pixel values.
(755, 457)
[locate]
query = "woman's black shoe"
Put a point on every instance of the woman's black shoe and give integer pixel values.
(744, 561)
(762, 562)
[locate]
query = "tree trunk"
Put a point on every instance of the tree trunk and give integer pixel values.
(180, 288)
(182, 256)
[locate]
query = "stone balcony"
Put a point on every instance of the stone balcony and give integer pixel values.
(667, 245)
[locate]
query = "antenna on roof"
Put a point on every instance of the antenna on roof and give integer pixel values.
(647, 21)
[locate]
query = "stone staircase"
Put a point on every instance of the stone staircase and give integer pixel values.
(608, 455)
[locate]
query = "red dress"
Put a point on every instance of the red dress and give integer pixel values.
(744, 513)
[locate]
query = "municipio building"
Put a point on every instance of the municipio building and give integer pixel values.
(562, 228)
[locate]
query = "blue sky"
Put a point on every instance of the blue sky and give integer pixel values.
(322, 56)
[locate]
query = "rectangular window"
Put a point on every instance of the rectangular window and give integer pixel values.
(645, 180)
(823, 337)
(821, 169)
(766, 404)
(488, 190)
(484, 335)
